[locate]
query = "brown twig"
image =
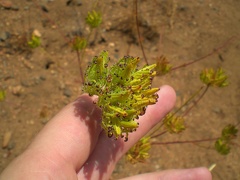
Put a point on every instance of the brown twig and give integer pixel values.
(138, 32)
(209, 54)
(157, 135)
(184, 142)
(196, 102)
(80, 66)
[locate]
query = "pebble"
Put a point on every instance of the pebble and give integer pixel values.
(33, 81)
(26, 8)
(4, 35)
(17, 90)
(42, 77)
(6, 139)
(30, 122)
(217, 110)
(11, 145)
(44, 121)
(111, 44)
(8, 5)
(67, 92)
(36, 33)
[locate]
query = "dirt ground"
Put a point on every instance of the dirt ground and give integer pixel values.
(39, 82)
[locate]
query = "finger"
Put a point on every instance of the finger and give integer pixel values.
(65, 143)
(178, 174)
(72, 133)
(108, 151)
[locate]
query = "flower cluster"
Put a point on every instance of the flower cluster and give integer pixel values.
(79, 43)
(173, 123)
(140, 151)
(222, 145)
(216, 78)
(124, 92)
(163, 66)
(94, 19)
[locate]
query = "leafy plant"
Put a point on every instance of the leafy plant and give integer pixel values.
(124, 92)
(140, 151)
(216, 78)
(35, 41)
(94, 19)
(222, 145)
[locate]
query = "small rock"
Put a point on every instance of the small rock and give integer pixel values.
(217, 110)
(26, 8)
(6, 4)
(42, 77)
(6, 155)
(6, 139)
(67, 92)
(30, 122)
(53, 72)
(36, 33)
(17, 90)
(74, 2)
(4, 35)
(26, 83)
(111, 44)
(15, 8)
(36, 80)
(79, 3)
(11, 145)
(44, 8)
(44, 121)
(62, 86)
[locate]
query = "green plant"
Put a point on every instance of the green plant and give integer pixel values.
(229, 133)
(2, 95)
(34, 42)
(140, 151)
(123, 91)
(94, 19)
(174, 123)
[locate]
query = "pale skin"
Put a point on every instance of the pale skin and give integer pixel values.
(73, 146)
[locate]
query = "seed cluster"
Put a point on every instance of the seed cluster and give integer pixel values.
(124, 92)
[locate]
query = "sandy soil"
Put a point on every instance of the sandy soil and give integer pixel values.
(39, 82)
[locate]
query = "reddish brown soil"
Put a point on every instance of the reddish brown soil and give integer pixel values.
(39, 82)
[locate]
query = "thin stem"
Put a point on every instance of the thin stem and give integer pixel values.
(184, 142)
(138, 32)
(156, 129)
(196, 102)
(80, 66)
(87, 39)
(190, 99)
(157, 135)
(203, 57)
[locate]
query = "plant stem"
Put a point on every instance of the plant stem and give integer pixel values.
(190, 99)
(196, 102)
(80, 66)
(156, 129)
(87, 39)
(157, 135)
(184, 142)
(138, 32)
(209, 54)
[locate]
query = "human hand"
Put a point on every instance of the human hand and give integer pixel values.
(73, 146)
